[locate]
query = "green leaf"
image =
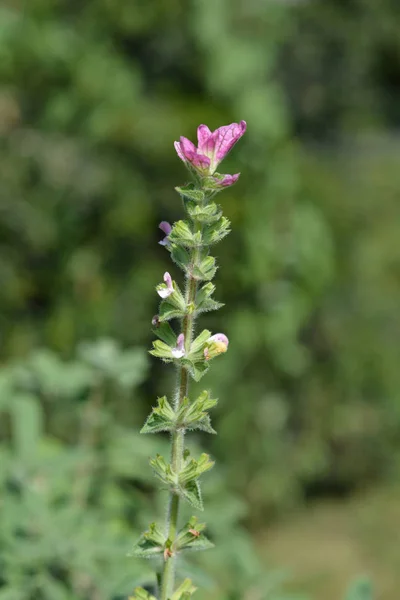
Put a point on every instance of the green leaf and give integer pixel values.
(162, 418)
(198, 344)
(192, 494)
(141, 594)
(196, 369)
(204, 214)
(184, 591)
(190, 537)
(193, 468)
(204, 302)
(150, 544)
(161, 350)
(194, 416)
(188, 192)
(163, 470)
(215, 232)
(182, 234)
(180, 256)
(205, 269)
(168, 311)
(165, 332)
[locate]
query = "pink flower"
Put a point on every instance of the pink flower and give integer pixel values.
(168, 289)
(212, 147)
(219, 337)
(166, 228)
(179, 350)
(225, 180)
(216, 344)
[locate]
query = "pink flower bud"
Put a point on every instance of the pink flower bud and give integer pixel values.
(168, 289)
(179, 350)
(166, 228)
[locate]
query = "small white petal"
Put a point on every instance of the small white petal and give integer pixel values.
(165, 292)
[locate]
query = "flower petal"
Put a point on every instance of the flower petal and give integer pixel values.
(165, 227)
(168, 281)
(164, 292)
(219, 337)
(200, 161)
(203, 135)
(225, 138)
(227, 180)
(179, 351)
(188, 148)
(179, 151)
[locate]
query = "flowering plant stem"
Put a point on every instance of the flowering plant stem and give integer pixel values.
(189, 242)
(168, 576)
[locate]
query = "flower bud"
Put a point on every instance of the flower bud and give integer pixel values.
(166, 228)
(216, 344)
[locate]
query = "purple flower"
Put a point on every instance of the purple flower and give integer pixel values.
(166, 228)
(212, 147)
(167, 289)
(179, 350)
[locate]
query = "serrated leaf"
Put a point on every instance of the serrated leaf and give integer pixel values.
(215, 232)
(151, 543)
(182, 234)
(146, 549)
(209, 305)
(204, 302)
(189, 193)
(204, 214)
(199, 543)
(196, 369)
(192, 494)
(193, 416)
(205, 269)
(162, 418)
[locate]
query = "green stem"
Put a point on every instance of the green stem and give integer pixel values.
(168, 575)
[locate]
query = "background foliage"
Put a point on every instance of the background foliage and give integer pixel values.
(92, 96)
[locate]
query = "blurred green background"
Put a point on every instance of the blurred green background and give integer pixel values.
(92, 95)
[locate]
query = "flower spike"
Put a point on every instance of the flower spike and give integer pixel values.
(189, 242)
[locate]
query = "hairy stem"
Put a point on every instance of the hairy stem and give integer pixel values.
(168, 576)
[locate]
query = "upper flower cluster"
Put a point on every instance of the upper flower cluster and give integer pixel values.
(212, 148)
